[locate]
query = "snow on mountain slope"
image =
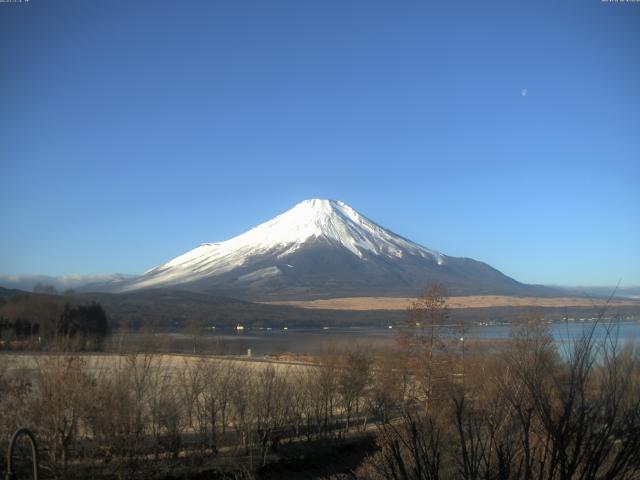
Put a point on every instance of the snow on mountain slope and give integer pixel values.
(322, 249)
(329, 220)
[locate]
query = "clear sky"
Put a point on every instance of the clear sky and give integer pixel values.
(509, 132)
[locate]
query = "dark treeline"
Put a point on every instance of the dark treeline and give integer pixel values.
(167, 308)
(51, 321)
(18, 328)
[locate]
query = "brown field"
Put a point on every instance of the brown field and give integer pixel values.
(478, 301)
(27, 364)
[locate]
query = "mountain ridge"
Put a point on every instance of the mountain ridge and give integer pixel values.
(320, 249)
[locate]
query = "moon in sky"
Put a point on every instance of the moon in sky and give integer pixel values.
(524, 92)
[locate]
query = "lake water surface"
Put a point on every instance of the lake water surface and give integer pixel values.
(309, 341)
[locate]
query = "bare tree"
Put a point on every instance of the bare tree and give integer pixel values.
(411, 449)
(587, 409)
(270, 397)
(14, 395)
(391, 384)
(193, 330)
(353, 380)
(241, 406)
(321, 387)
(421, 339)
(191, 382)
(60, 402)
(214, 382)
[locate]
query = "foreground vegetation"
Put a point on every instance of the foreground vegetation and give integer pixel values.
(436, 406)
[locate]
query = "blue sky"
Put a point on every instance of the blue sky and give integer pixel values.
(130, 132)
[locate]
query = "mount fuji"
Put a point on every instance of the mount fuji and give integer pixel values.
(323, 249)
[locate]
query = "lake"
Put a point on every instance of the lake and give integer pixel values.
(312, 340)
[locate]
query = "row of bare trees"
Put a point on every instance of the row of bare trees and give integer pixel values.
(534, 408)
(116, 413)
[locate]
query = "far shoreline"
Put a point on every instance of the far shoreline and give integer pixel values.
(458, 302)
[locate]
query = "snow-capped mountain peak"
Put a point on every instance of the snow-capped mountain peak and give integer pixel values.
(321, 249)
(332, 220)
(314, 220)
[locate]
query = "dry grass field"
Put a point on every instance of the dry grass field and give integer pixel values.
(478, 301)
(27, 364)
